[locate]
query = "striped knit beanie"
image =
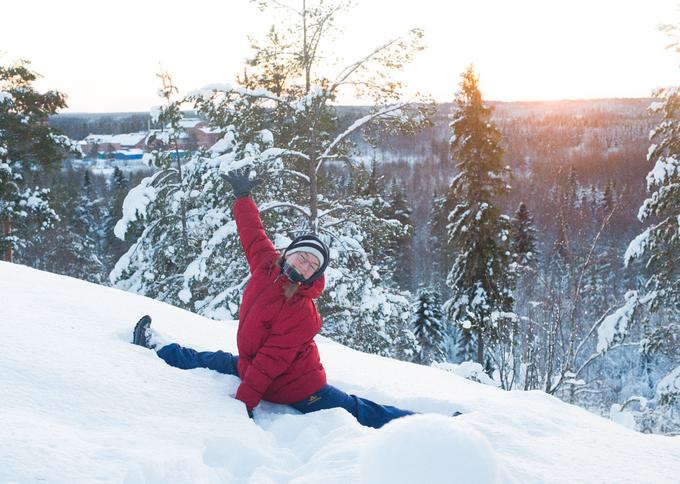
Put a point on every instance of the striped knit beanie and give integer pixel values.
(311, 244)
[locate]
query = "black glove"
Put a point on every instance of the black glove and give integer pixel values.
(240, 182)
(250, 413)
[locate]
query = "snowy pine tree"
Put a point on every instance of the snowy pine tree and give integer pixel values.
(28, 146)
(282, 124)
(438, 242)
(117, 189)
(480, 278)
(608, 198)
(185, 250)
(659, 244)
(658, 247)
(402, 244)
(70, 245)
(428, 327)
(89, 233)
(523, 237)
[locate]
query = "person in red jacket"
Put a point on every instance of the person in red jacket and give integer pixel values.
(278, 360)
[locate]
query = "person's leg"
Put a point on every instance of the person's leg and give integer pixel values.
(187, 359)
(368, 413)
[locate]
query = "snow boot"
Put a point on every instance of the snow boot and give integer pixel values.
(142, 333)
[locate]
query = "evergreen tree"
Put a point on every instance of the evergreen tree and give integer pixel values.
(480, 279)
(385, 246)
(571, 197)
(562, 250)
(428, 324)
(608, 198)
(402, 245)
(71, 246)
(282, 124)
(658, 246)
(170, 216)
(119, 181)
(523, 240)
(438, 242)
(114, 247)
(89, 226)
(523, 246)
(28, 146)
(375, 184)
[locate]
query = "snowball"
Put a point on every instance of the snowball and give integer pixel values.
(432, 449)
(184, 295)
(622, 417)
(266, 137)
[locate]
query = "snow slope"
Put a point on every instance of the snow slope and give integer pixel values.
(78, 403)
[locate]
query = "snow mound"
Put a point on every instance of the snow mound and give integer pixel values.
(79, 403)
(433, 449)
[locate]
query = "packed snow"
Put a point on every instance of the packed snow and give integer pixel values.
(81, 404)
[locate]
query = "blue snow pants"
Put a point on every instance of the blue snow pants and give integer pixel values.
(368, 413)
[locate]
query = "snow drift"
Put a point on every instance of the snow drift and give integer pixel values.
(81, 404)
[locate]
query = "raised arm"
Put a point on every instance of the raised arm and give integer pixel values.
(256, 245)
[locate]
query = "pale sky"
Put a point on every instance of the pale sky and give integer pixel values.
(105, 55)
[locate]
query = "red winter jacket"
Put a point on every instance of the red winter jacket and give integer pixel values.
(278, 359)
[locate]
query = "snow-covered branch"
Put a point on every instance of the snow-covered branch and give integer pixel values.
(227, 89)
(597, 354)
(639, 244)
(349, 70)
(594, 328)
(227, 162)
(337, 222)
(274, 205)
(358, 124)
(325, 213)
(295, 173)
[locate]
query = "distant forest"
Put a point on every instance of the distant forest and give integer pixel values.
(599, 142)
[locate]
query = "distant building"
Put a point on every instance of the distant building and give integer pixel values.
(198, 133)
(128, 146)
(102, 144)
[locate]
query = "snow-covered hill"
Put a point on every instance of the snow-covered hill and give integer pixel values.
(78, 403)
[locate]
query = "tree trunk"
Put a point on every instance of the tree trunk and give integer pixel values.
(185, 238)
(480, 348)
(305, 51)
(313, 194)
(7, 230)
(313, 190)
